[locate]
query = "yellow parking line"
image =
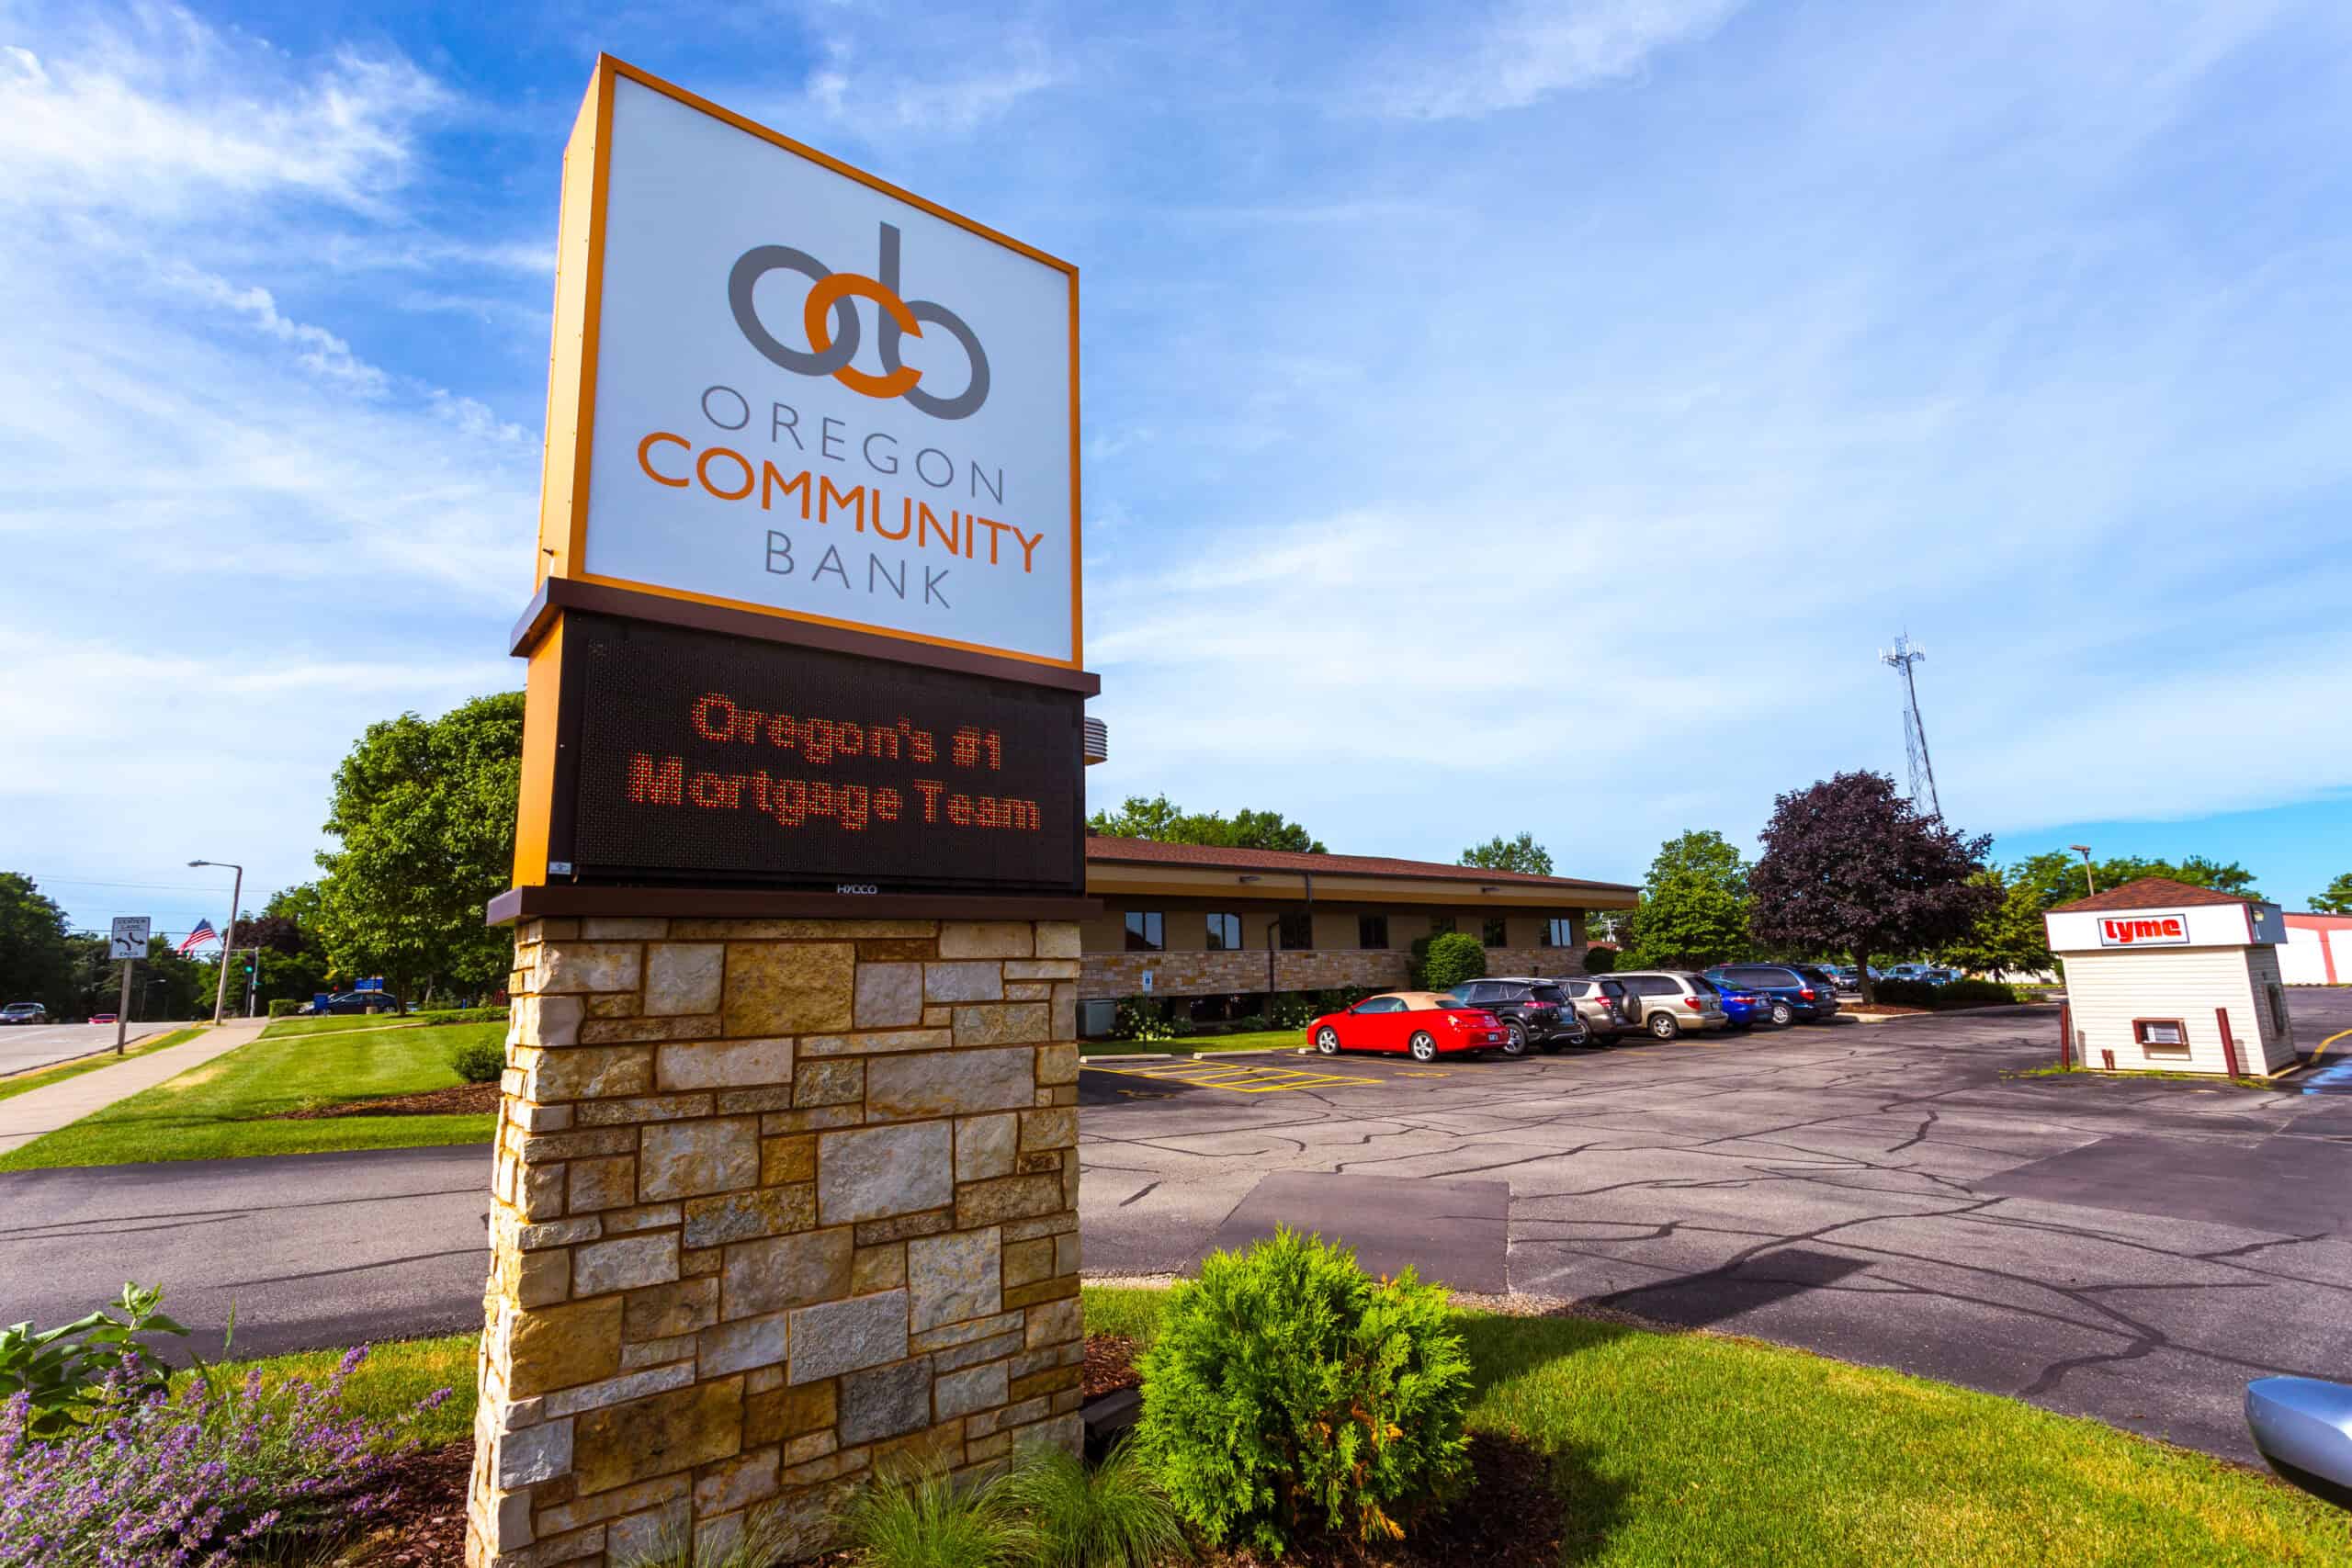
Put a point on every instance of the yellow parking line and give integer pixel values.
(2339, 1035)
(1234, 1077)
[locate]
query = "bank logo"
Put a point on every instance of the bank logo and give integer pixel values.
(833, 345)
(2145, 930)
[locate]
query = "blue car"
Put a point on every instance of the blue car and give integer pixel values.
(1788, 994)
(1745, 1009)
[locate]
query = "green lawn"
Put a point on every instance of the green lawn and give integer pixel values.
(1675, 1451)
(341, 1023)
(388, 1384)
(220, 1109)
(1264, 1039)
(11, 1088)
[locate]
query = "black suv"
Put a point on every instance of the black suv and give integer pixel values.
(1534, 1011)
(1789, 992)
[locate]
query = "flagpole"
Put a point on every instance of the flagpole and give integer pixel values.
(229, 942)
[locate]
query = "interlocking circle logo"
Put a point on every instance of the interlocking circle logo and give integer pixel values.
(831, 346)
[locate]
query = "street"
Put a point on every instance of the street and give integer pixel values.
(23, 1049)
(2133, 1251)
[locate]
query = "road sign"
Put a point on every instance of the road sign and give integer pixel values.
(130, 938)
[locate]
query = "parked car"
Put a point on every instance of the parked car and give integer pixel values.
(1822, 975)
(1666, 1002)
(1602, 1002)
(102, 1017)
(1534, 1011)
(359, 1002)
(1789, 992)
(1425, 1024)
(1745, 1009)
(24, 1012)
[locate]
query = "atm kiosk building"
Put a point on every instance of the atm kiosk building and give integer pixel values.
(2165, 977)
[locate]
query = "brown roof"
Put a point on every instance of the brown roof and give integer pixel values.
(2148, 893)
(1151, 852)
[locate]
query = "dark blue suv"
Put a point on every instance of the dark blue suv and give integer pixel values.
(1789, 993)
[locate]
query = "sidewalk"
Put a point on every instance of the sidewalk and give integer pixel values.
(29, 1115)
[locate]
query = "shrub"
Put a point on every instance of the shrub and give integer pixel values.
(58, 1372)
(1114, 1517)
(463, 1015)
(1973, 993)
(284, 1007)
(478, 1061)
(1453, 958)
(215, 1476)
(922, 1518)
(1141, 1017)
(1293, 1010)
(1905, 993)
(1600, 959)
(1289, 1392)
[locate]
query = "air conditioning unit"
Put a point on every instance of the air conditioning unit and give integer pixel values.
(1097, 745)
(1097, 1018)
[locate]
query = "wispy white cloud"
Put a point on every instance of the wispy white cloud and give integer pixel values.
(1525, 50)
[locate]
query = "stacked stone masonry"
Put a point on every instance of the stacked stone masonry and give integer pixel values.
(776, 1202)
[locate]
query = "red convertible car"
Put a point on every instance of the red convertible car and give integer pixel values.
(1422, 1023)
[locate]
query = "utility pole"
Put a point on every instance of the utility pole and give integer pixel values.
(228, 938)
(2089, 882)
(1905, 655)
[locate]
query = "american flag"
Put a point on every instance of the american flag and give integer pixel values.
(199, 937)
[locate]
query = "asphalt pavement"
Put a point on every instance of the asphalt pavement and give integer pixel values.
(24, 1047)
(2133, 1251)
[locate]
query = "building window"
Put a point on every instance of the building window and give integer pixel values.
(1372, 931)
(1225, 933)
(1298, 932)
(1560, 933)
(1440, 925)
(1493, 935)
(2160, 1036)
(2279, 1013)
(1144, 931)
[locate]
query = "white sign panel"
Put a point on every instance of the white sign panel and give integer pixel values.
(2233, 924)
(805, 392)
(129, 938)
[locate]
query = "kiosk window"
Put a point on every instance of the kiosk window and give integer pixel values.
(2161, 1035)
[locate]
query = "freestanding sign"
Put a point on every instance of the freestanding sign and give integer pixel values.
(792, 388)
(129, 938)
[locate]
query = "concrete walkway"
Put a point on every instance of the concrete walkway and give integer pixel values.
(39, 1111)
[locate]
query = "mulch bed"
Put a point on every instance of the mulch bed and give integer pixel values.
(1509, 1518)
(459, 1099)
(1879, 1009)
(425, 1527)
(1110, 1364)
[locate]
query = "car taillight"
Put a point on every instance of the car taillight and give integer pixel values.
(1693, 1003)
(1805, 995)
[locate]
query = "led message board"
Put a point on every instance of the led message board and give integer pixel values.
(695, 756)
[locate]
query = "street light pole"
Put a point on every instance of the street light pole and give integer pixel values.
(229, 938)
(2085, 850)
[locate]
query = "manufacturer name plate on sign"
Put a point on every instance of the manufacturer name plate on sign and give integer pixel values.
(708, 757)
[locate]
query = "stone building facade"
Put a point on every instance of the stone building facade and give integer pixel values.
(775, 1202)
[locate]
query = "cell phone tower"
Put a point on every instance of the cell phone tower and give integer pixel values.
(1904, 654)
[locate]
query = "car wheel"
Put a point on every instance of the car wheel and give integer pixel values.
(1515, 1041)
(1424, 1048)
(1782, 1014)
(1665, 1025)
(1327, 1040)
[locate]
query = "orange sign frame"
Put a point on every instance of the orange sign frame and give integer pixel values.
(571, 369)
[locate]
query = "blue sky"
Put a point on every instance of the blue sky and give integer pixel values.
(1497, 416)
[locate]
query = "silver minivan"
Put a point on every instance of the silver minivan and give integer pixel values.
(1667, 1001)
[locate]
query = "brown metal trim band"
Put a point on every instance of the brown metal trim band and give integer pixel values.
(562, 898)
(560, 593)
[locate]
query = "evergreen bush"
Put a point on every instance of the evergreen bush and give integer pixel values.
(1453, 958)
(1600, 959)
(478, 1061)
(1290, 1394)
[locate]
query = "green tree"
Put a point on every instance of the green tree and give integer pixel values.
(2057, 876)
(2337, 899)
(2010, 934)
(1454, 957)
(1161, 818)
(424, 813)
(36, 965)
(1694, 905)
(1497, 853)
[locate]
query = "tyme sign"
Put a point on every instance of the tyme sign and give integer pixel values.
(783, 385)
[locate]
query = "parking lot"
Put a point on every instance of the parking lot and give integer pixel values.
(1880, 1192)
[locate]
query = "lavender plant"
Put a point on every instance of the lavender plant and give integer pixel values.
(218, 1475)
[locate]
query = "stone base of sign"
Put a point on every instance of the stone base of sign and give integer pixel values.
(777, 1202)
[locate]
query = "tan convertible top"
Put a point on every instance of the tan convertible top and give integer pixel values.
(1424, 1001)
